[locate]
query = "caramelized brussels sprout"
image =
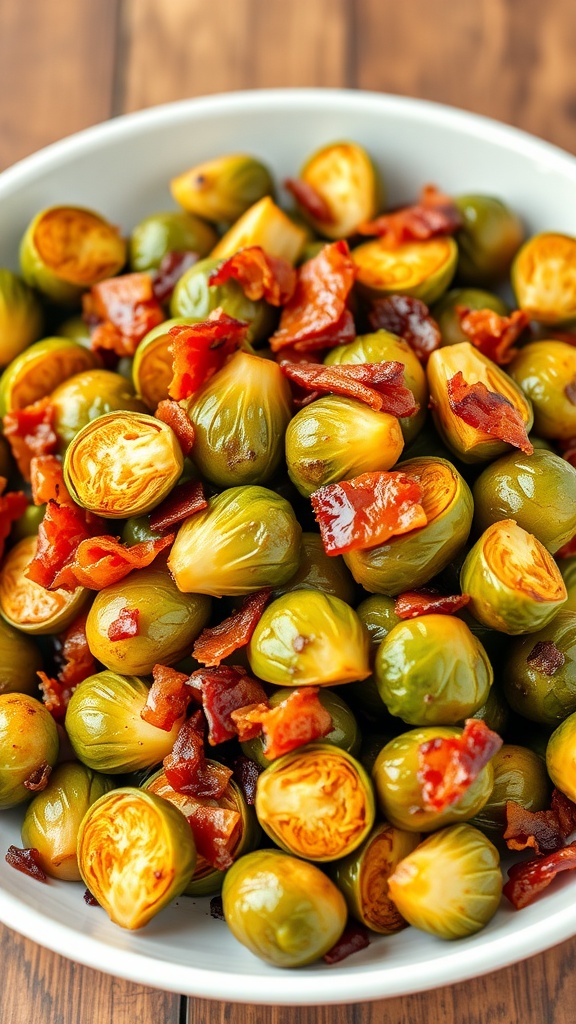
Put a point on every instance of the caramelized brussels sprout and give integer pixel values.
(152, 368)
(53, 819)
(20, 661)
(519, 775)
(86, 396)
(122, 464)
(546, 372)
(423, 270)
(284, 910)
(513, 582)
(161, 233)
(306, 638)
(135, 853)
(20, 316)
(319, 571)
(445, 315)
(343, 175)
(28, 606)
(39, 369)
(28, 742)
(540, 671)
(106, 729)
(561, 757)
(247, 538)
(67, 249)
(450, 885)
(488, 240)
(223, 189)
(194, 298)
(266, 225)
(316, 802)
(543, 278)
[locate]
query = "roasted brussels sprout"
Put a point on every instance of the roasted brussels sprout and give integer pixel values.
(423, 270)
(546, 372)
(488, 240)
(344, 177)
(319, 571)
(495, 711)
(53, 819)
(316, 802)
(450, 885)
(284, 910)
(266, 225)
(378, 615)
(561, 757)
(39, 369)
(28, 743)
(540, 671)
(20, 316)
(513, 582)
(20, 660)
(28, 606)
(221, 190)
(135, 853)
(519, 775)
(152, 368)
(161, 233)
(194, 298)
(86, 396)
(247, 538)
(543, 278)
(445, 315)
(306, 638)
(567, 567)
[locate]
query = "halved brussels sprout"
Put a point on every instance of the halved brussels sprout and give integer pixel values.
(20, 316)
(20, 661)
(543, 278)
(316, 802)
(266, 225)
(27, 605)
(122, 464)
(28, 742)
(67, 249)
(135, 854)
(343, 175)
(284, 910)
(152, 366)
(445, 315)
(423, 270)
(306, 638)
(86, 396)
(194, 298)
(450, 885)
(39, 369)
(513, 582)
(161, 233)
(546, 372)
(519, 775)
(53, 819)
(319, 571)
(221, 190)
(561, 757)
(106, 729)
(488, 240)
(247, 538)
(540, 671)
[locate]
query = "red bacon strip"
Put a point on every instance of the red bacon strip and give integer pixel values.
(47, 481)
(55, 695)
(61, 531)
(297, 720)
(260, 276)
(181, 503)
(30, 432)
(316, 316)
(168, 698)
(410, 320)
(492, 334)
(354, 938)
(218, 642)
(176, 417)
(125, 625)
(12, 506)
(223, 690)
(27, 861)
(215, 831)
(172, 266)
(378, 385)
(186, 767)
(199, 350)
(488, 411)
(434, 214)
(543, 831)
(413, 603)
(77, 663)
(447, 767)
(309, 200)
(38, 779)
(246, 772)
(123, 310)
(527, 880)
(99, 562)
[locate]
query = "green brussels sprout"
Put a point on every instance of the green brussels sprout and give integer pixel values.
(543, 278)
(398, 791)
(319, 571)
(168, 622)
(76, 328)
(122, 464)
(423, 270)
(53, 819)
(379, 616)
(382, 347)
(364, 698)
(372, 744)
(221, 190)
(450, 885)
(513, 582)
(470, 444)
(161, 233)
(519, 775)
(194, 298)
(66, 249)
(344, 177)
(28, 524)
(561, 757)
(445, 315)
(240, 416)
(137, 529)
(135, 854)
(106, 728)
(306, 638)
(26, 605)
(28, 742)
(495, 711)
(39, 369)
(152, 366)
(20, 661)
(337, 438)
(432, 671)
(86, 396)
(20, 316)
(488, 240)
(567, 567)
(546, 372)
(526, 488)
(266, 225)
(540, 671)
(316, 802)
(493, 642)
(247, 538)
(363, 876)
(284, 910)
(412, 559)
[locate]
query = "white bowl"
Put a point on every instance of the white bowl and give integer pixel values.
(122, 169)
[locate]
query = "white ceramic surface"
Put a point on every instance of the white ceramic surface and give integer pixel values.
(122, 168)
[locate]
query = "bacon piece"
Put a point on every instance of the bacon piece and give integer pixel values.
(543, 831)
(246, 772)
(527, 880)
(366, 511)
(309, 199)
(215, 830)
(168, 698)
(74, 655)
(30, 432)
(568, 549)
(413, 603)
(199, 350)
(316, 316)
(181, 503)
(378, 385)
(224, 690)
(298, 719)
(448, 766)
(354, 938)
(124, 309)
(218, 642)
(409, 319)
(565, 811)
(217, 908)
(61, 531)
(47, 481)
(186, 767)
(99, 562)
(172, 266)
(488, 411)
(492, 334)
(27, 861)
(434, 214)
(55, 695)
(125, 625)
(12, 506)
(570, 391)
(38, 779)
(89, 899)
(546, 657)
(176, 417)
(259, 275)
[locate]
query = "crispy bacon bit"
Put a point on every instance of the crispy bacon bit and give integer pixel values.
(38, 779)
(74, 655)
(378, 385)
(316, 316)
(354, 938)
(125, 625)
(565, 811)
(570, 391)
(527, 880)
(30, 432)
(172, 266)
(217, 908)
(413, 603)
(27, 861)
(175, 416)
(366, 511)
(568, 549)
(492, 334)
(181, 503)
(543, 831)
(488, 411)
(61, 531)
(309, 200)
(168, 698)
(215, 830)
(199, 350)
(55, 695)
(224, 690)
(434, 214)
(99, 562)
(260, 276)
(448, 766)
(408, 318)
(186, 767)
(546, 657)
(248, 720)
(218, 642)
(47, 481)
(298, 719)
(246, 772)
(89, 899)
(124, 309)
(12, 506)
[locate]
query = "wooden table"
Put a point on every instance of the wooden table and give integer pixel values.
(66, 64)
